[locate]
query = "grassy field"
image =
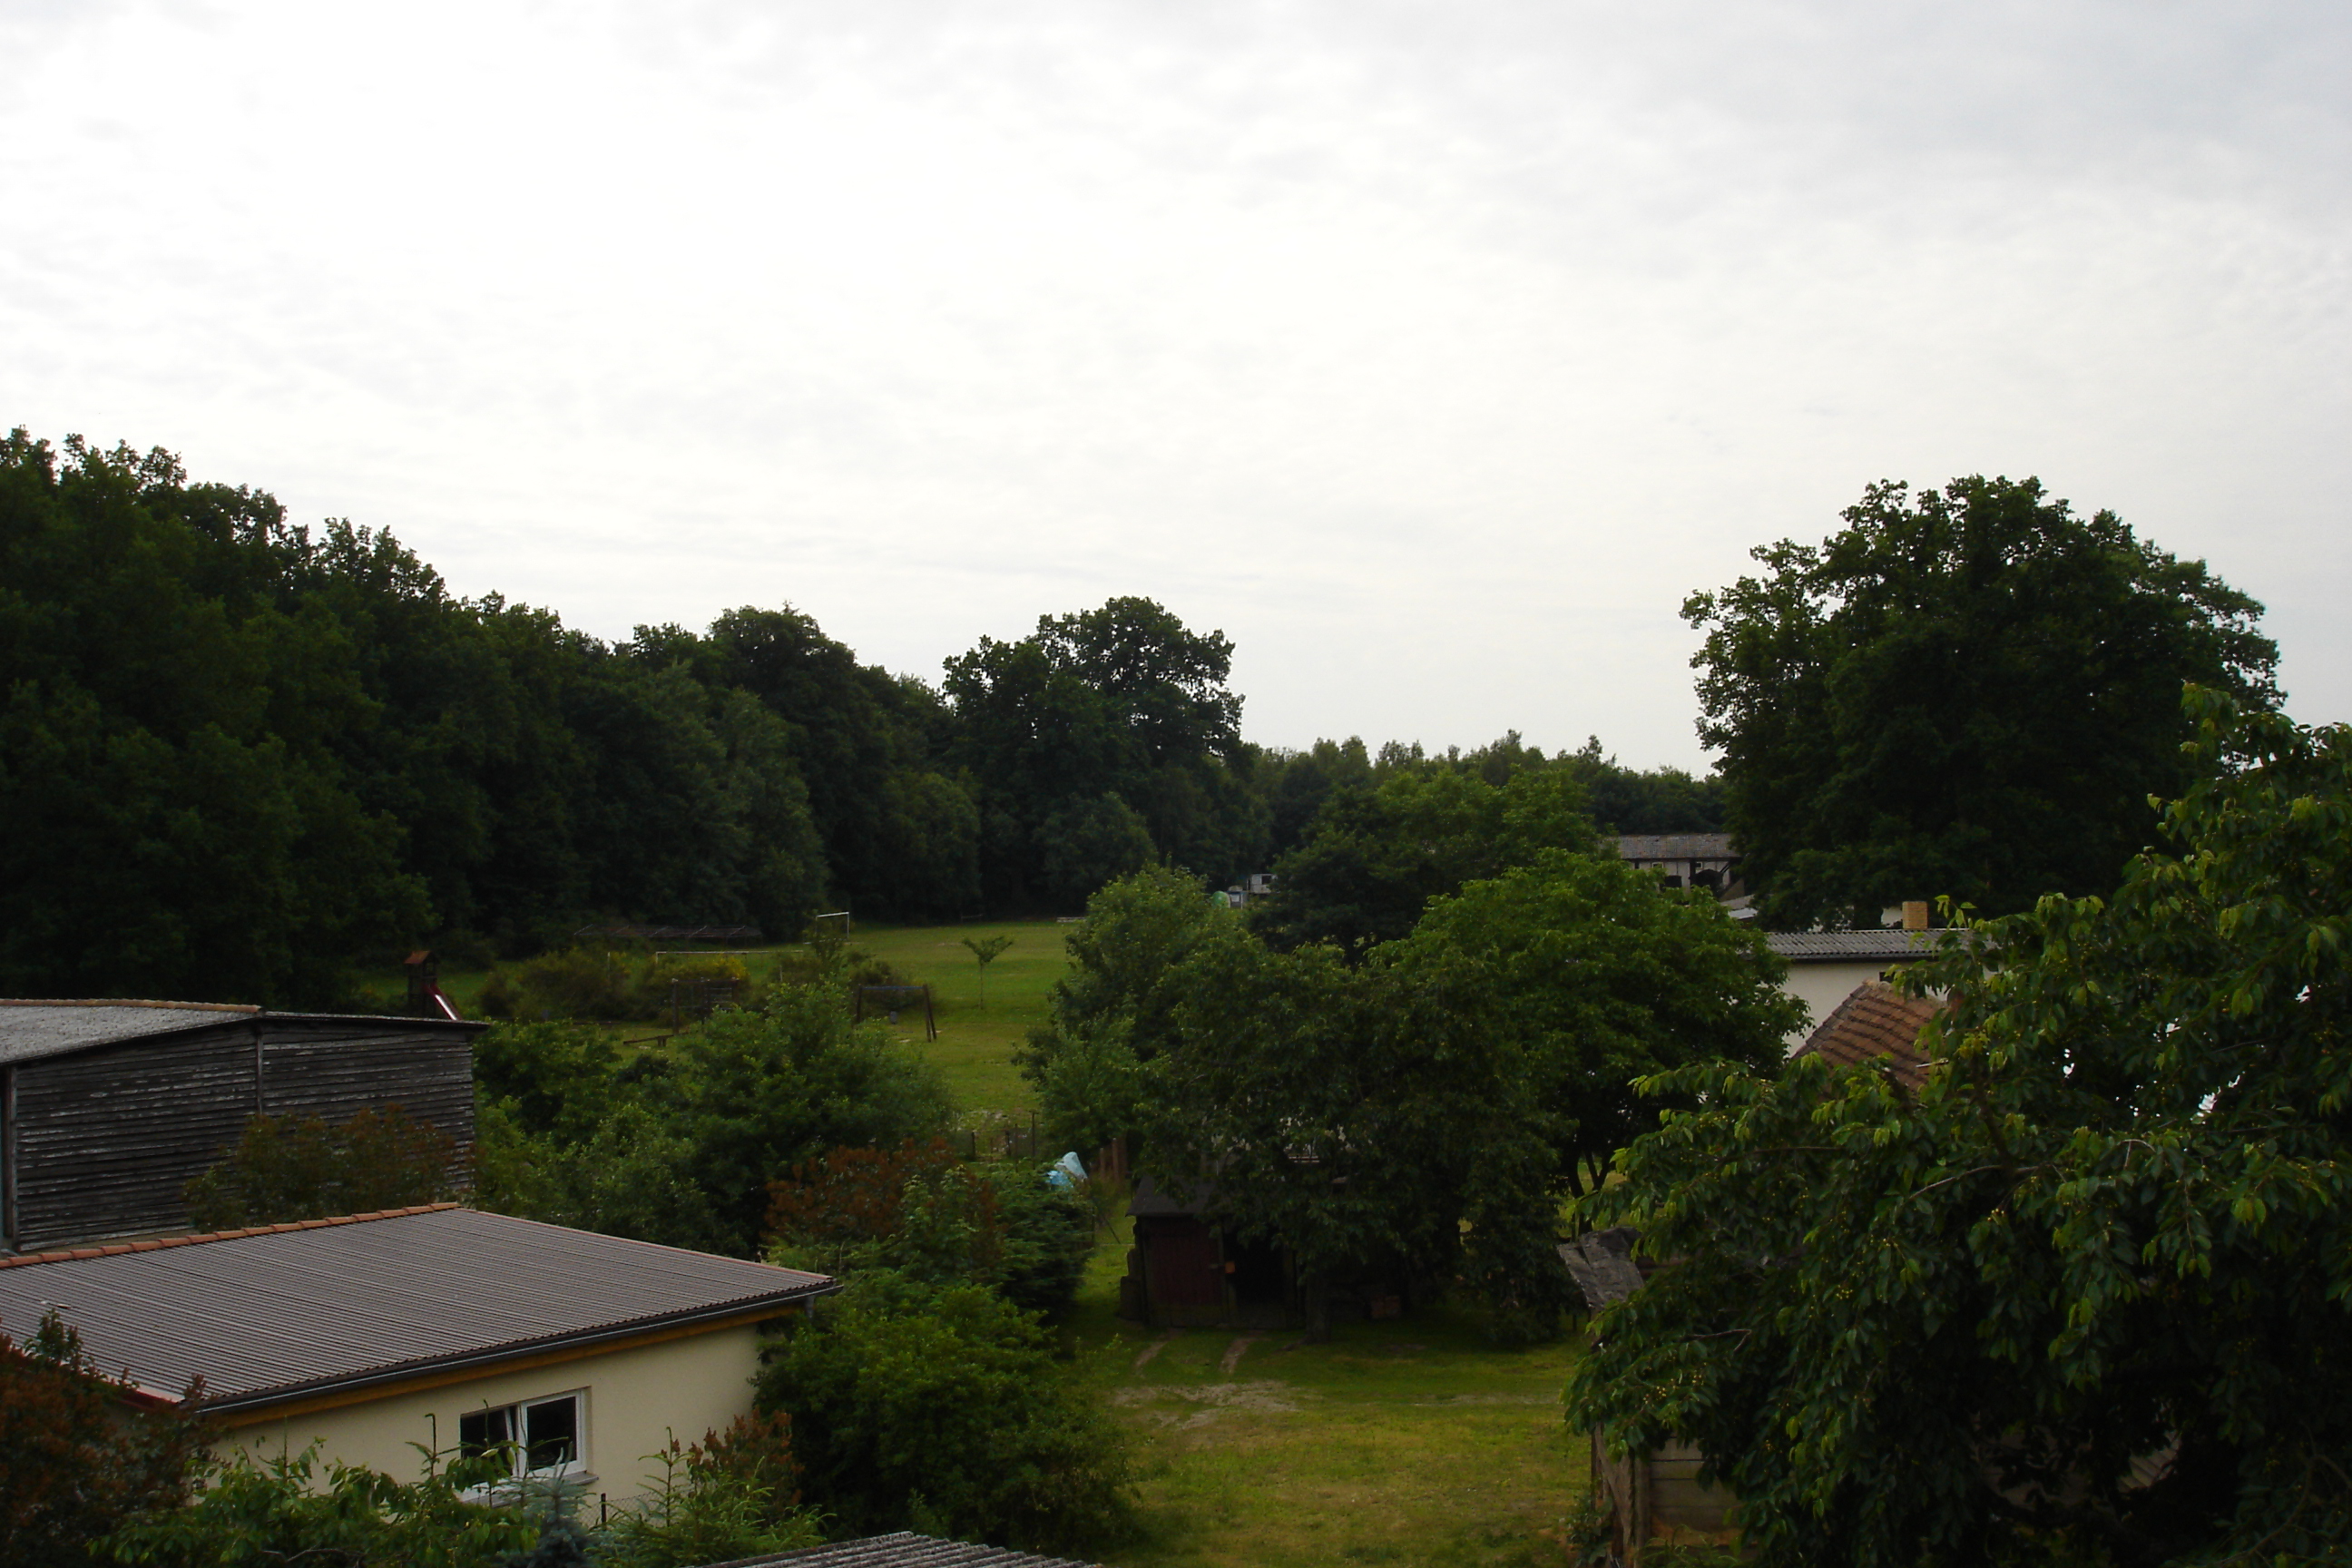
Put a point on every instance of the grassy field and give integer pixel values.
(1411, 1442)
(978, 1032)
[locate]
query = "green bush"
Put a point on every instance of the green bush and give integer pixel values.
(733, 1494)
(677, 1145)
(571, 983)
(923, 1212)
(304, 1167)
(819, 962)
(947, 1411)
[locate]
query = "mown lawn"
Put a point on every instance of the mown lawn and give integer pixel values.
(1411, 1442)
(978, 1031)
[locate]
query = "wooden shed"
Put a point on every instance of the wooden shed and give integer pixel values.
(1655, 1496)
(1185, 1271)
(108, 1109)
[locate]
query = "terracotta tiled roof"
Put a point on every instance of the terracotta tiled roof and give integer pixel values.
(1875, 1024)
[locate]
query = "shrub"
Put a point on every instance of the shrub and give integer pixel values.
(303, 1167)
(947, 1411)
(552, 1076)
(819, 962)
(923, 1212)
(678, 1145)
(734, 1495)
(74, 1464)
(573, 982)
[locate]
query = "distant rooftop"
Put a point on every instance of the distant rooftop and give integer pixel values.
(267, 1314)
(1640, 846)
(1830, 946)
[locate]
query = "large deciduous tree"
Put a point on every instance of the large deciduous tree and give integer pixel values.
(1970, 692)
(2086, 1295)
(1375, 857)
(1096, 716)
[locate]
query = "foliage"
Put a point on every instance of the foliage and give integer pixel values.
(936, 1219)
(74, 1464)
(733, 1494)
(2088, 1290)
(182, 818)
(1083, 844)
(1600, 975)
(985, 950)
(1375, 859)
(591, 981)
(729, 1497)
(679, 1146)
(256, 1513)
(1115, 1008)
(1969, 693)
(948, 1412)
(1104, 740)
(304, 1167)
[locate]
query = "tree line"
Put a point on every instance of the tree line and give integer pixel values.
(237, 754)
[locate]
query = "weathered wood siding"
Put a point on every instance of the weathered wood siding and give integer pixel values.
(106, 1138)
(1658, 1498)
(105, 1141)
(335, 1070)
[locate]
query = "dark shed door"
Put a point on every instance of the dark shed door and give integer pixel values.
(1185, 1268)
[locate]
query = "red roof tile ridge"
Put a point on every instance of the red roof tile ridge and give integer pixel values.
(158, 1243)
(126, 1002)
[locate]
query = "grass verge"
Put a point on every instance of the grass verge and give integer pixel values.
(1407, 1442)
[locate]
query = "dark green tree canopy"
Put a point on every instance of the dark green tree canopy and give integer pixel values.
(1374, 858)
(1121, 709)
(1970, 692)
(2086, 1295)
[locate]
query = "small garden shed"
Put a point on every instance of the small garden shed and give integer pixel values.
(108, 1109)
(1654, 1496)
(1186, 1271)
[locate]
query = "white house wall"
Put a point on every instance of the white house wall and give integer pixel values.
(1822, 986)
(636, 1401)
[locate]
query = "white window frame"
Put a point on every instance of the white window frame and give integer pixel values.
(518, 1411)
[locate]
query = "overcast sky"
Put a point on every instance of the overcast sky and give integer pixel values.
(1432, 352)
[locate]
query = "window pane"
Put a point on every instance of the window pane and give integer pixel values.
(551, 1433)
(479, 1431)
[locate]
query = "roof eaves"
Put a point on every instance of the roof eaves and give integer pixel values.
(491, 1355)
(157, 1244)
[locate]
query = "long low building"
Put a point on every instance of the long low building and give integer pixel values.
(438, 1325)
(108, 1109)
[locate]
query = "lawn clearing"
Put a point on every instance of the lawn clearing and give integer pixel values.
(1407, 1442)
(978, 1033)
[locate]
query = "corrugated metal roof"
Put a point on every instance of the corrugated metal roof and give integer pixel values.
(266, 1315)
(1875, 1023)
(1675, 846)
(35, 1030)
(905, 1550)
(1828, 946)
